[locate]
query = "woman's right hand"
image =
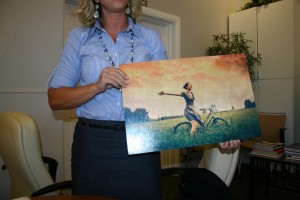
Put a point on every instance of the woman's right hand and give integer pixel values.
(112, 77)
(68, 97)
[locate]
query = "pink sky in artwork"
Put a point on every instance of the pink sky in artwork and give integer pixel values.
(217, 80)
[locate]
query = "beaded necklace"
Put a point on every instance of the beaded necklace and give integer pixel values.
(107, 54)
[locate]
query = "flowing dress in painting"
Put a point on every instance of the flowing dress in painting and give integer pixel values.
(190, 111)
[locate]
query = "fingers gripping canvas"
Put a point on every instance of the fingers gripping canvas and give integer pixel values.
(188, 102)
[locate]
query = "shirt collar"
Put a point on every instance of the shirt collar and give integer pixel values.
(98, 27)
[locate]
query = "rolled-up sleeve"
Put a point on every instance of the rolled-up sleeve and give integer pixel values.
(157, 47)
(67, 71)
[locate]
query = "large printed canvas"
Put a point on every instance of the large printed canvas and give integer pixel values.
(160, 114)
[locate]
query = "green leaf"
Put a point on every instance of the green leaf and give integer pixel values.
(235, 43)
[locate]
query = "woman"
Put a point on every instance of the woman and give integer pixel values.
(92, 54)
(91, 57)
(190, 112)
(194, 117)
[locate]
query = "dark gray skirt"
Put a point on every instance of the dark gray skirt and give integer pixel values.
(101, 165)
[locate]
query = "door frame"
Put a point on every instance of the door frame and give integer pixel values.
(172, 26)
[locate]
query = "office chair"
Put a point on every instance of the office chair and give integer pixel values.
(272, 127)
(21, 152)
(212, 177)
(221, 163)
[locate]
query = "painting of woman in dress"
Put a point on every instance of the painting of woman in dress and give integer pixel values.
(216, 92)
(190, 111)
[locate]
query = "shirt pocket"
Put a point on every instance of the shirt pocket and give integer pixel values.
(91, 68)
(140, 51)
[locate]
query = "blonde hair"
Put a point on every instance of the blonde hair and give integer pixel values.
(87, 8)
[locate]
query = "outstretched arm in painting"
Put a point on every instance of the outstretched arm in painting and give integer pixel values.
(172, 94)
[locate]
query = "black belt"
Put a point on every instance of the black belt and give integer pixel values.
(118, 127)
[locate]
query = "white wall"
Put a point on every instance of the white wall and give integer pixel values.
(30, 44)
(297, 71)
(200, 19)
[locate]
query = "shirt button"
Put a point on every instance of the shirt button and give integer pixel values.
(118, 103)
(116, 54)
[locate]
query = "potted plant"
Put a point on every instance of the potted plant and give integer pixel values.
(257, 3)
(235, 43)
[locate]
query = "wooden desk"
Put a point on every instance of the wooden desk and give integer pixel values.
(71, 197)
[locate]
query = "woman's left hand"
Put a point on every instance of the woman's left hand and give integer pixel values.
(230, 145)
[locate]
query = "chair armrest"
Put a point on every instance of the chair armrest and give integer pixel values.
(52, 188)
(52, 166)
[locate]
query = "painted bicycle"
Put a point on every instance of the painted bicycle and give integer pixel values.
(210, 121)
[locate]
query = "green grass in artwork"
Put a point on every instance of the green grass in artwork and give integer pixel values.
(169, 133)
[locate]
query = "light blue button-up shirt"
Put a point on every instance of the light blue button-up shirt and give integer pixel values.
(83, 59)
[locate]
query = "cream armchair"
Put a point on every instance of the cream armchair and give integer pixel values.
(223, 164)
(210, 180)
(20, 150)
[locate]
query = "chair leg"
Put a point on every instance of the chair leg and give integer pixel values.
(239, 164)
(242, 154)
